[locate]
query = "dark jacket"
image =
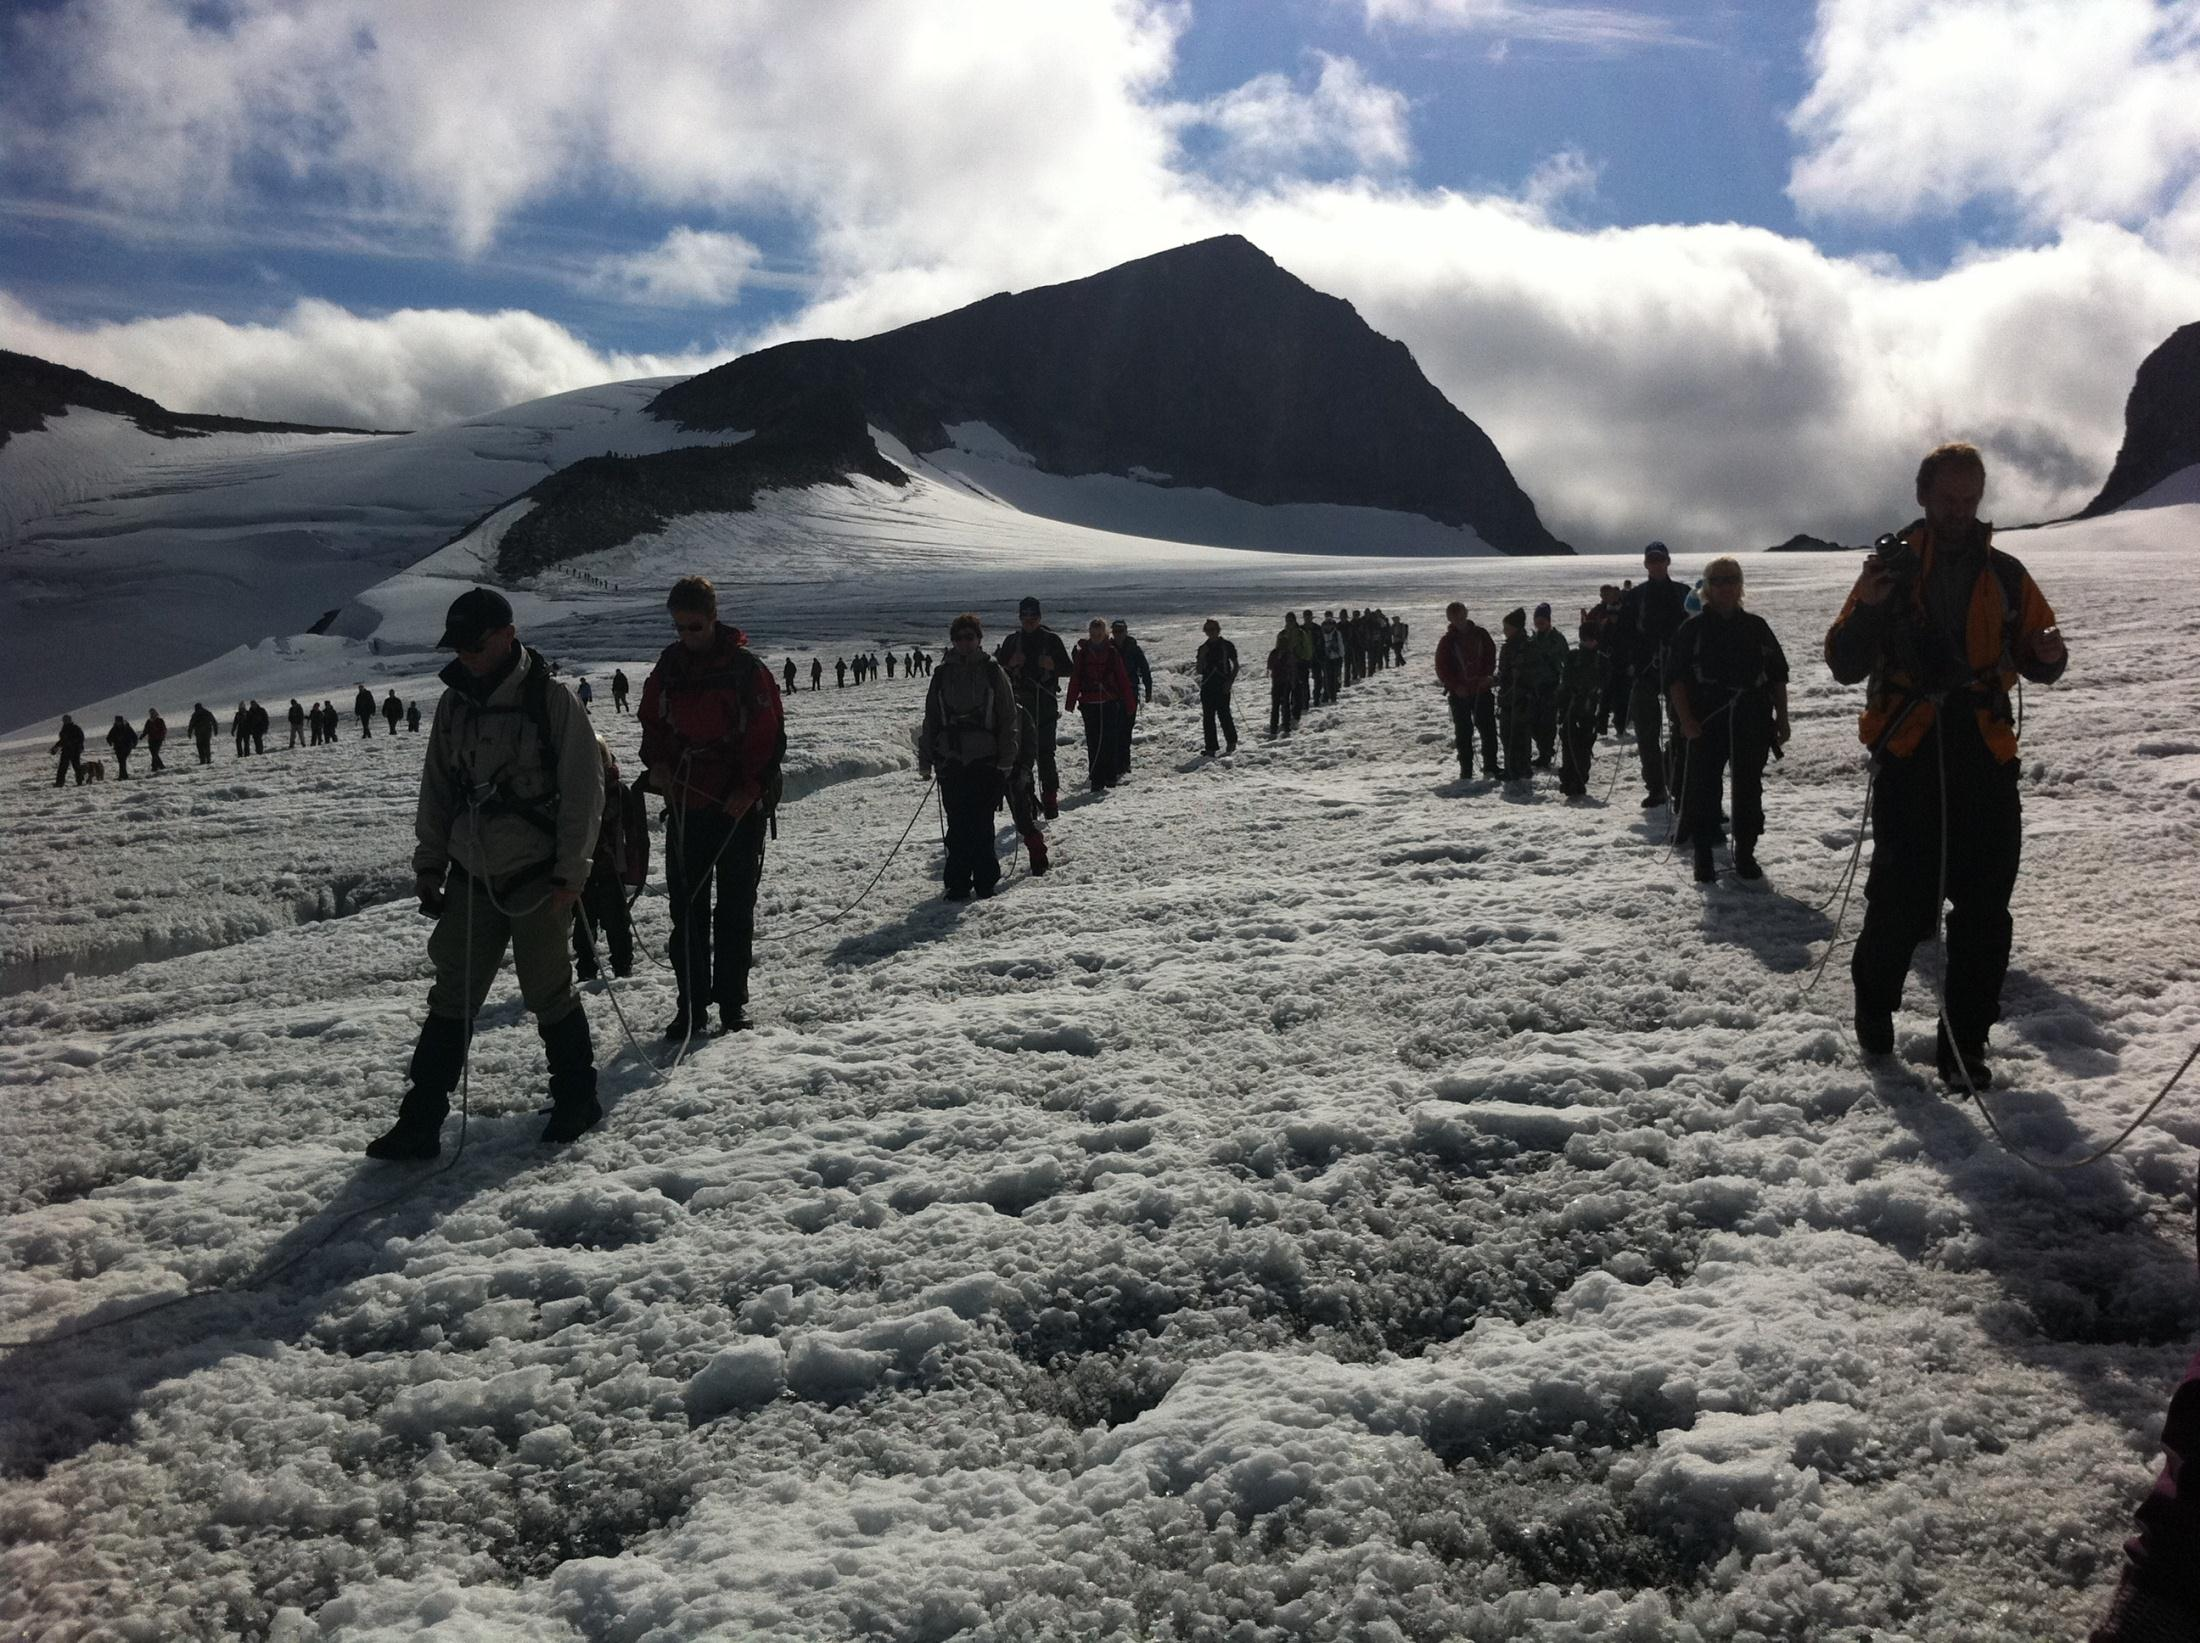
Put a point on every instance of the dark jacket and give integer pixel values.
(1134, 662)
(1546, 663)
(1466, 660)
(1037, 662)
(1583, 686)
(1716, 658)
(121, 738)
(1217, 664)
(203, 725)
(1512, 663)
(392, 709)
(156, 730)
(71, 742)
(711, 723)
(363, 703)
(1650, 613)
(255, 720)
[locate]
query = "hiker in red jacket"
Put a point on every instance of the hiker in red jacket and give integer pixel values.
(1466, 664)
(1100, 685)
(712, 736)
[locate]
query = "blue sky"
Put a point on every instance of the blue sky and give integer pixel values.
(1678, 254)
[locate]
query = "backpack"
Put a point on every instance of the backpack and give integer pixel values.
(955, 722)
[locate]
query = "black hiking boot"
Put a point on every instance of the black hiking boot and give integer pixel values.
(1655, 801)
(1050, 802)
(678, 1027)
(1707, 870)
(734, 1018)
(574, 1110)
(439, 1054)
(1745, 862)
(1960, 1061)
(1874, 1030)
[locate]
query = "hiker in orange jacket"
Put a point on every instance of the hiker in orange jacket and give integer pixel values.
(1943, 624)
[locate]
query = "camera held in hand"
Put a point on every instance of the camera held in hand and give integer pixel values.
(1897, 559)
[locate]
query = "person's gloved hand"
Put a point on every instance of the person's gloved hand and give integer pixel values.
(429, 888)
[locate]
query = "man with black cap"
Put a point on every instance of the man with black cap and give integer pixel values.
(1650, 613)
(1217, 667)
(511, 793)
(1037, 662)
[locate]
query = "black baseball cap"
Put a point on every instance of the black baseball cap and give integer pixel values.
(1656, 550)
(1027, 606)
(473, 614)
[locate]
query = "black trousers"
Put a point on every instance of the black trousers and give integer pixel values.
(1107, 742)
(1577, 747)
(1902, 893)
(713, 907)
(1473, 716)
(1543, 723)
(1740, 737)
(205, 745)
(1612, 710)
(1648, 708)
(603, 904)
(1513, 734)
(968, 793)
(69, 762)
(1214, 713)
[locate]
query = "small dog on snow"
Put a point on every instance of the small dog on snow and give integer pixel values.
(95, 770)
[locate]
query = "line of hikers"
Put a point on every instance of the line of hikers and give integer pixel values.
(1311, 661)
(249, 726)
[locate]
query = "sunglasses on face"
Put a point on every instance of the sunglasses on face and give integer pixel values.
(1724, 581)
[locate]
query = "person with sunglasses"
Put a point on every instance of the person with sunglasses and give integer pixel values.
(1727, 680)
(713, 736)
(511, 792)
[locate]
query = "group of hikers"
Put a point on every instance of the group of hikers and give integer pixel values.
(1702, 682)
(522, 819)
(249, 726)
(1311, 661)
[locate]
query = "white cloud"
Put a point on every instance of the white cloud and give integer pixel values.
(1559, 178)
(840, 112)
(1268, 125)
(690, 267)
(415, 368)
(1720, 386)
(1605, 27)
(2065, 110)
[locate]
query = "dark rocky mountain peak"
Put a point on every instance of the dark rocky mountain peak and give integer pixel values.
(33, 389)
(2161, 422)
(1208, 365)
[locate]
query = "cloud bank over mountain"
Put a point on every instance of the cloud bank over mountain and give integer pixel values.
(1704, 380)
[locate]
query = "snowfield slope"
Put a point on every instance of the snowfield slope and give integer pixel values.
(1336, 1202)
(125, 556)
